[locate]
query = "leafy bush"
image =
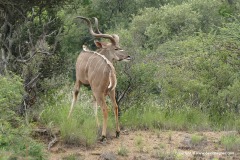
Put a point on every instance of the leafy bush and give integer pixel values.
(201, 71)
(154, 26)
(11, 92)
(15, 140)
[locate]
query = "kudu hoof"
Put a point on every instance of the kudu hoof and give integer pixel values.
(103, 138)
(117, 134)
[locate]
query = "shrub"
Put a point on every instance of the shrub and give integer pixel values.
(231, 142)
(139, 143)
(196, 139)
(15, 139)
(11, 92)
(122, 150)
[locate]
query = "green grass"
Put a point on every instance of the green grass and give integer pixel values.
(196, 139)
(161, 118)
(159, 154)
(72, 157)
(80, 128)
(185, 118)
(231, 142)
(122, 150)
(18, 144)
(139, 143)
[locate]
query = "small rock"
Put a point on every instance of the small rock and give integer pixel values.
(108, 156)
(186, 141)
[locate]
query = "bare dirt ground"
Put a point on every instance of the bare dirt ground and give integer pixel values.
(151, 145)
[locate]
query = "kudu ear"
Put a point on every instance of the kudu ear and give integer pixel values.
(100, 44)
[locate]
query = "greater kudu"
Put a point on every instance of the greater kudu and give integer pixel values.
(95, 68)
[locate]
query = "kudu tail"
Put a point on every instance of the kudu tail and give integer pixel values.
(112, 80)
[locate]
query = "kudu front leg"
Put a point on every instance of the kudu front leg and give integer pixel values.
(75, 94)
(115, 110)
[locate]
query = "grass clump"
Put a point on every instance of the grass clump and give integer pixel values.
(80, 128)
(122, 150)
(231, 142)
(166, 155)
(139, 143)
(73, 157)
(16, 143)
(182, 118)
(196, 140)
(164, 118)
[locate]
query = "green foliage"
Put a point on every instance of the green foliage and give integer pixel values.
(11, 91)
(209, 13)
(154, 26)
(139, 143)
(122, 150)
(72, 157)
(167, 155)
(171, 20)
(183, 51)
(196, 139)
(140, 78)
(152, 116)
(186, 63)
(185, 72)
(231, 142)
(201, 71)
(15, 141)
(80, 128)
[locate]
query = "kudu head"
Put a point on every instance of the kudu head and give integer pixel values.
(111, 50)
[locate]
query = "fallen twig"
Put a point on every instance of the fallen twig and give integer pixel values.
(52, 142)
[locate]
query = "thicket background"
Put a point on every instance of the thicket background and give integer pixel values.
(185, 73)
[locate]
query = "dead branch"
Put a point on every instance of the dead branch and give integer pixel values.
(52, 142)
(22, 60)
(41, 45)
(32, 81)
(49, 132)
(40, 130)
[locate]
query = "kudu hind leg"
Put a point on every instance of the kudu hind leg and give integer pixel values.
(95, 108)
(75, 94)
(101, 101)
(115, 109)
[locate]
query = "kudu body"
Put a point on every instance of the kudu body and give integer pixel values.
(95, 68)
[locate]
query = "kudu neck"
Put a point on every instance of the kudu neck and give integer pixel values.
(107, 54)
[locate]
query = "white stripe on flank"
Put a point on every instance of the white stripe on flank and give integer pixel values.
(111, 72)
(110, 81)
(88, 61)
